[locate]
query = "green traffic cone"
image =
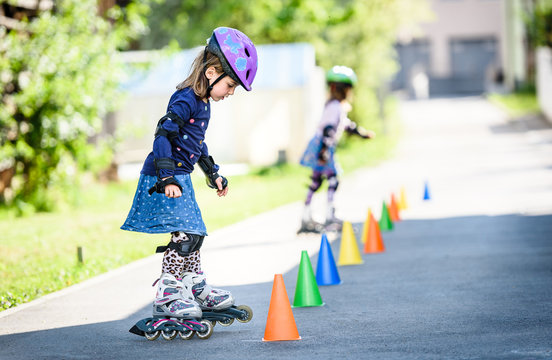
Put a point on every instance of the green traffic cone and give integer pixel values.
(385, 222)
(306, 290)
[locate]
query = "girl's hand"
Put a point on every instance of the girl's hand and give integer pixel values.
(221, 191)
(172, 191)
(369, 134)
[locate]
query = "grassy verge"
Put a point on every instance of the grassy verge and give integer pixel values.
(518, 103)
(39, 252)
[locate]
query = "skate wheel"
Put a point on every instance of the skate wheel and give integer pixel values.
(169, 334)
(186, 334)
(152, 335)
(226, 322)
(248, 313)
(207, 330)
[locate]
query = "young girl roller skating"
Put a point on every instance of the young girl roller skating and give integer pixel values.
(164, 201)
(319, 155)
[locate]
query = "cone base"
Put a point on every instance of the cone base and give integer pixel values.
(302, 306)
(373, 252)
(332, 284)
(347, 264)
(265, 340)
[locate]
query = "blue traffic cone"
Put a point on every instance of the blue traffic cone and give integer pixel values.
(326, 270)
(426, 191)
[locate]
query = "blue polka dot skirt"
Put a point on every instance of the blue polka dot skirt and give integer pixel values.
(157, 213)
(310, 156)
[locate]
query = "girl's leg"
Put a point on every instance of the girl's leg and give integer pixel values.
(177, 264)
(307, 223)
(316, 182)
(172, 299)
(333, 183)
(193, 279)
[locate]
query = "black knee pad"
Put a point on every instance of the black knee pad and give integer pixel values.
(184, 248)
(333, 183)
(316, 183)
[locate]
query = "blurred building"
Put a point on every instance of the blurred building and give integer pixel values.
(269, 124)
(471, 47)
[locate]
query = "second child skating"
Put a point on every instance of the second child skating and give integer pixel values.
(320, 152)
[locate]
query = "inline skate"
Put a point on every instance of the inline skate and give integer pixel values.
(217, 305)
(175, 313)
(310, 226)
(332, 222)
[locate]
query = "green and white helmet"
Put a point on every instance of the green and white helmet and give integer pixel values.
(341, 74)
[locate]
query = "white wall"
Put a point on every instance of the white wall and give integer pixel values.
(544, 81)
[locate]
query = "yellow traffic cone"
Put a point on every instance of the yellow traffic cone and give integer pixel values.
(402, 200)
(348, 252)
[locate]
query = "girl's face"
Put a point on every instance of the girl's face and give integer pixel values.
(222, 89)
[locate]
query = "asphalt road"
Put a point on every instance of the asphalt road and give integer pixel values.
(465, 275)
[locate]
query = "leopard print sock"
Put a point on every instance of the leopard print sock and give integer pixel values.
(192, 263)
(175, 264)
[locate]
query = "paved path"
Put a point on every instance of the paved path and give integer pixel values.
(467, 274)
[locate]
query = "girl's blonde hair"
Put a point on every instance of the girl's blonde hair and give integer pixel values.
(197, 79)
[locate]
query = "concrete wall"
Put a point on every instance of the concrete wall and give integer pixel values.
(465, 48)
(278, 116)
(544, 81)
(461, 19)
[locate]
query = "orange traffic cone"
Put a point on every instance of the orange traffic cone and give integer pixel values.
(366, 227)
(280, 323)
(374, 242)
(394, 209)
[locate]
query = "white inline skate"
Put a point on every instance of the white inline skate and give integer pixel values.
(174, 313)
(308, 225)
(216, 304)
(332, 222)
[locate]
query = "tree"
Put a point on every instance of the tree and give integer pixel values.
(59, 75)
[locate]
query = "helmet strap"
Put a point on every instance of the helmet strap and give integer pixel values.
(210, 87)
(214, 82)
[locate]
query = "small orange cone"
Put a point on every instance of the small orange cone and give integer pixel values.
(280, 323)
(394, 209)
(366, 227)
(403, 205)
(374, 242)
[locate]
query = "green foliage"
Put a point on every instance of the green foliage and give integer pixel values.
(538, 22)
(59, 76)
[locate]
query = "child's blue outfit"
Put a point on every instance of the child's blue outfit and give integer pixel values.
(157, 213)
(327, 135)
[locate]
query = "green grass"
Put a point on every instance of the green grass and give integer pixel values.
(518, 103)
(39, 252)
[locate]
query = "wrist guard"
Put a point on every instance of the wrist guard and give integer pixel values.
(324, 154)
(160, 185)
(210, 169)
(354, 129)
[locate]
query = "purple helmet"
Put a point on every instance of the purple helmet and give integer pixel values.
(236, 53)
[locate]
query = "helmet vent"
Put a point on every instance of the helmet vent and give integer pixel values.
(247, 52)
(247, 74)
